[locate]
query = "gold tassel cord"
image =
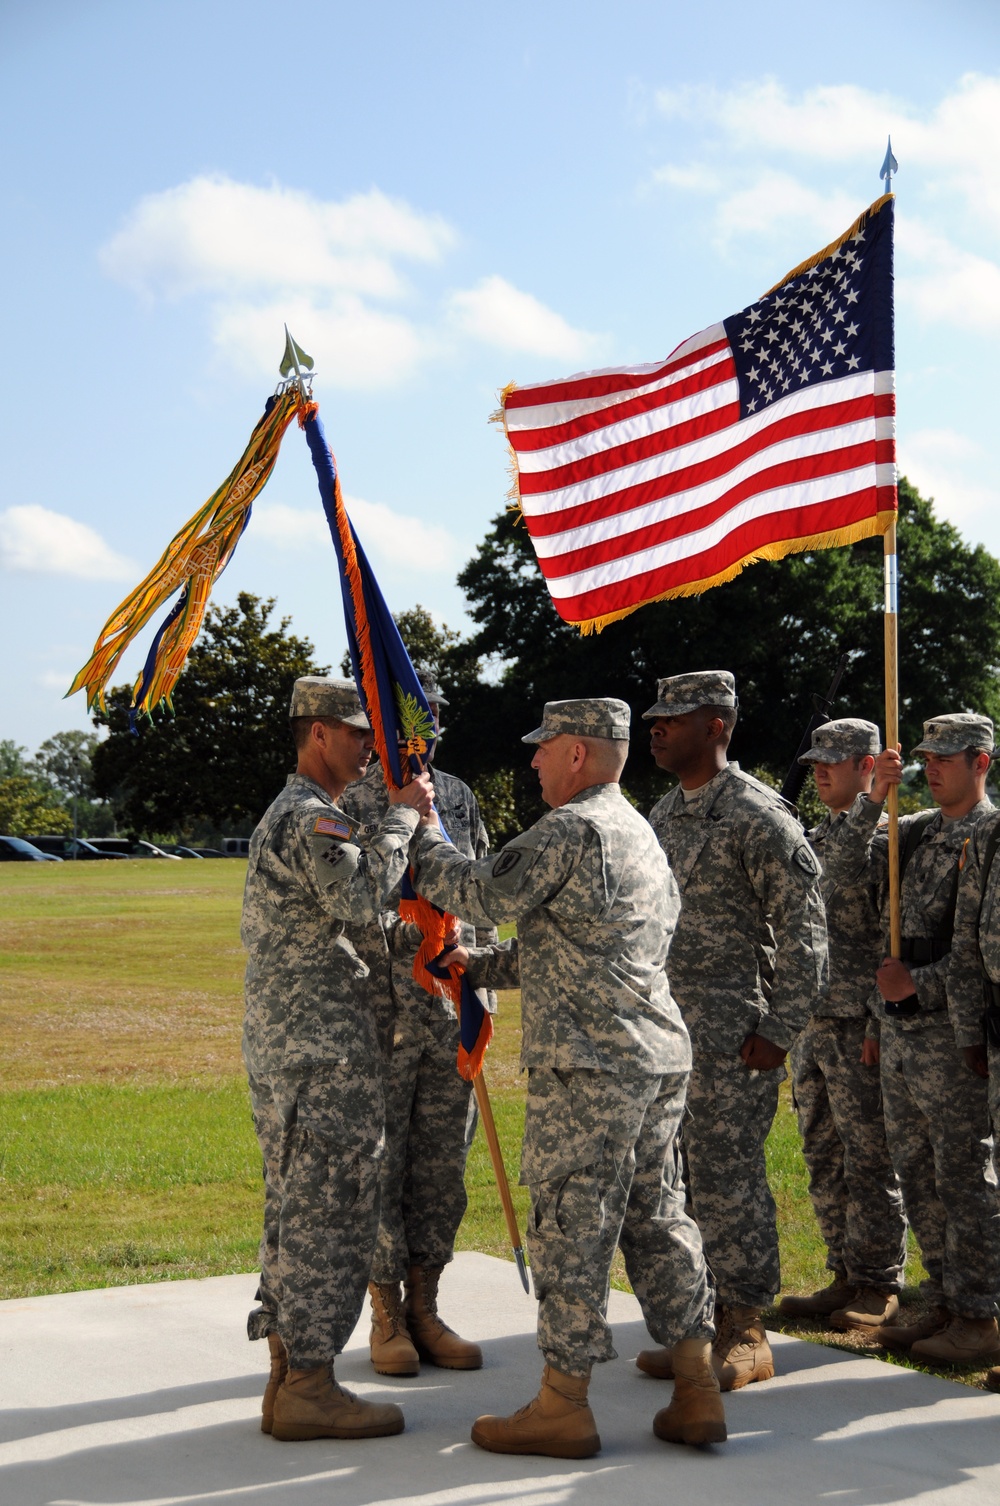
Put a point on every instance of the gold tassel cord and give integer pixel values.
(194, 558)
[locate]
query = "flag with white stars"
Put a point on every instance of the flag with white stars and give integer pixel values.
(768, 434)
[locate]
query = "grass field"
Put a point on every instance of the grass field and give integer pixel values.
(127, 1152)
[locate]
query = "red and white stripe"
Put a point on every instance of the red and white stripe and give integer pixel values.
(641, 483)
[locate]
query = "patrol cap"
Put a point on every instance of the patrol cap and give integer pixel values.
(600, 716)
(432, 689)
(312, 695)
(679, 694)
(956, 732)
(848, 737)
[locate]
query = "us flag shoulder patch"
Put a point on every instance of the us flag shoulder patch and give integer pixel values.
(330, 826)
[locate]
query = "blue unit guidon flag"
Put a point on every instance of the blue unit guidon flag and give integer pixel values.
(768, 434)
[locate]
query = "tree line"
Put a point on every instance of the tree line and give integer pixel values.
(221, 755)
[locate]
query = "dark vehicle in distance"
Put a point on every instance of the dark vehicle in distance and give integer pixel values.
(178, 850)
(17, 850)
(73, 848)
(209, 852)
(124, 847)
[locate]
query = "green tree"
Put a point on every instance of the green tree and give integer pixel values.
(223, 754)
(28, 809)
(12, 758)
(65, 761)
(780, 627)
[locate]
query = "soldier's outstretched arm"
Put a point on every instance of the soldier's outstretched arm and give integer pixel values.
(507, 884)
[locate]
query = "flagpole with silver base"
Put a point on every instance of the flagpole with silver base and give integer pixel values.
(890, 166)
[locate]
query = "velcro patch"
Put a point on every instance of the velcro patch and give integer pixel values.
(330, 826)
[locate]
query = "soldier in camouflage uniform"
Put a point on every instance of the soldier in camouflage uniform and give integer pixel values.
(607, 1057)
(974, 973)
(936, 1112)
(835, 1079)
(311, 1051)
(430, 1110)
(747, 964)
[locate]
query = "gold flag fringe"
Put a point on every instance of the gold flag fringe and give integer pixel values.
(814, 261)
(867, 528)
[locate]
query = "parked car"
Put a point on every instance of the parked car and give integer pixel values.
(126, 848)
(71, 847)
(17, 850)
(236, 847)
(209, 852)
(178, 850)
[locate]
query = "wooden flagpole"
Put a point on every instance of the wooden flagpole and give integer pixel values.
(892, 726)
(889, 166)
(499, 1171)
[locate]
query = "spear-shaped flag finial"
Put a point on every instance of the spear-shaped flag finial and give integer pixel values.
(294, 360)
(889, 166)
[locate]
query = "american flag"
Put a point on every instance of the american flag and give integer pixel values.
(767, 434)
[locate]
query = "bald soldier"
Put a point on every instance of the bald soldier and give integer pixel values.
(936, 1112)
(748, 964)
(312, 1056)
(835, 1077)
(607, 1057)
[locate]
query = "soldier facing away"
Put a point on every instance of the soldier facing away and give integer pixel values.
(936, 1111)
(430, 1109)
(835, 1078)
(311, 1050)
(607, 1057)
(748, 963)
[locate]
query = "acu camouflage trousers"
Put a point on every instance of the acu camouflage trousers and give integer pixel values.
(853, 1186)
(730, 1112)
(600, 1158)
(321, 1137)
(937, 1123)
(430, 1119)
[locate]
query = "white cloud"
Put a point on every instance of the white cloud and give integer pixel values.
(389, 537)
(500, 314)
(212, 234)
(35, 539)
(353, 345)
(776, 199)
(265, 257)
(944, 282)
(949, 467)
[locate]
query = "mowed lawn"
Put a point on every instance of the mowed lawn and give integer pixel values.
(127, 1151)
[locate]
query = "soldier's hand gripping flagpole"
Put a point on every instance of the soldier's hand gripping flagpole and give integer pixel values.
(889, 166)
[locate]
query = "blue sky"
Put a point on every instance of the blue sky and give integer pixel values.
(438, 200)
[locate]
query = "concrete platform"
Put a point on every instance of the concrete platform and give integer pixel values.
(150, 1396)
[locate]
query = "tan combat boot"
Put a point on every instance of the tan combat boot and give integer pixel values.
(310, 1404)
(695, 1414)
(741, 1352)
(871, 1308)
(434, 1340)
(659, 1363)
(902, 1335)
(993, 1378)
(279, 1369)
(820, 1304)
(963, 1341)
(391, 1347)
(558, 1423)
